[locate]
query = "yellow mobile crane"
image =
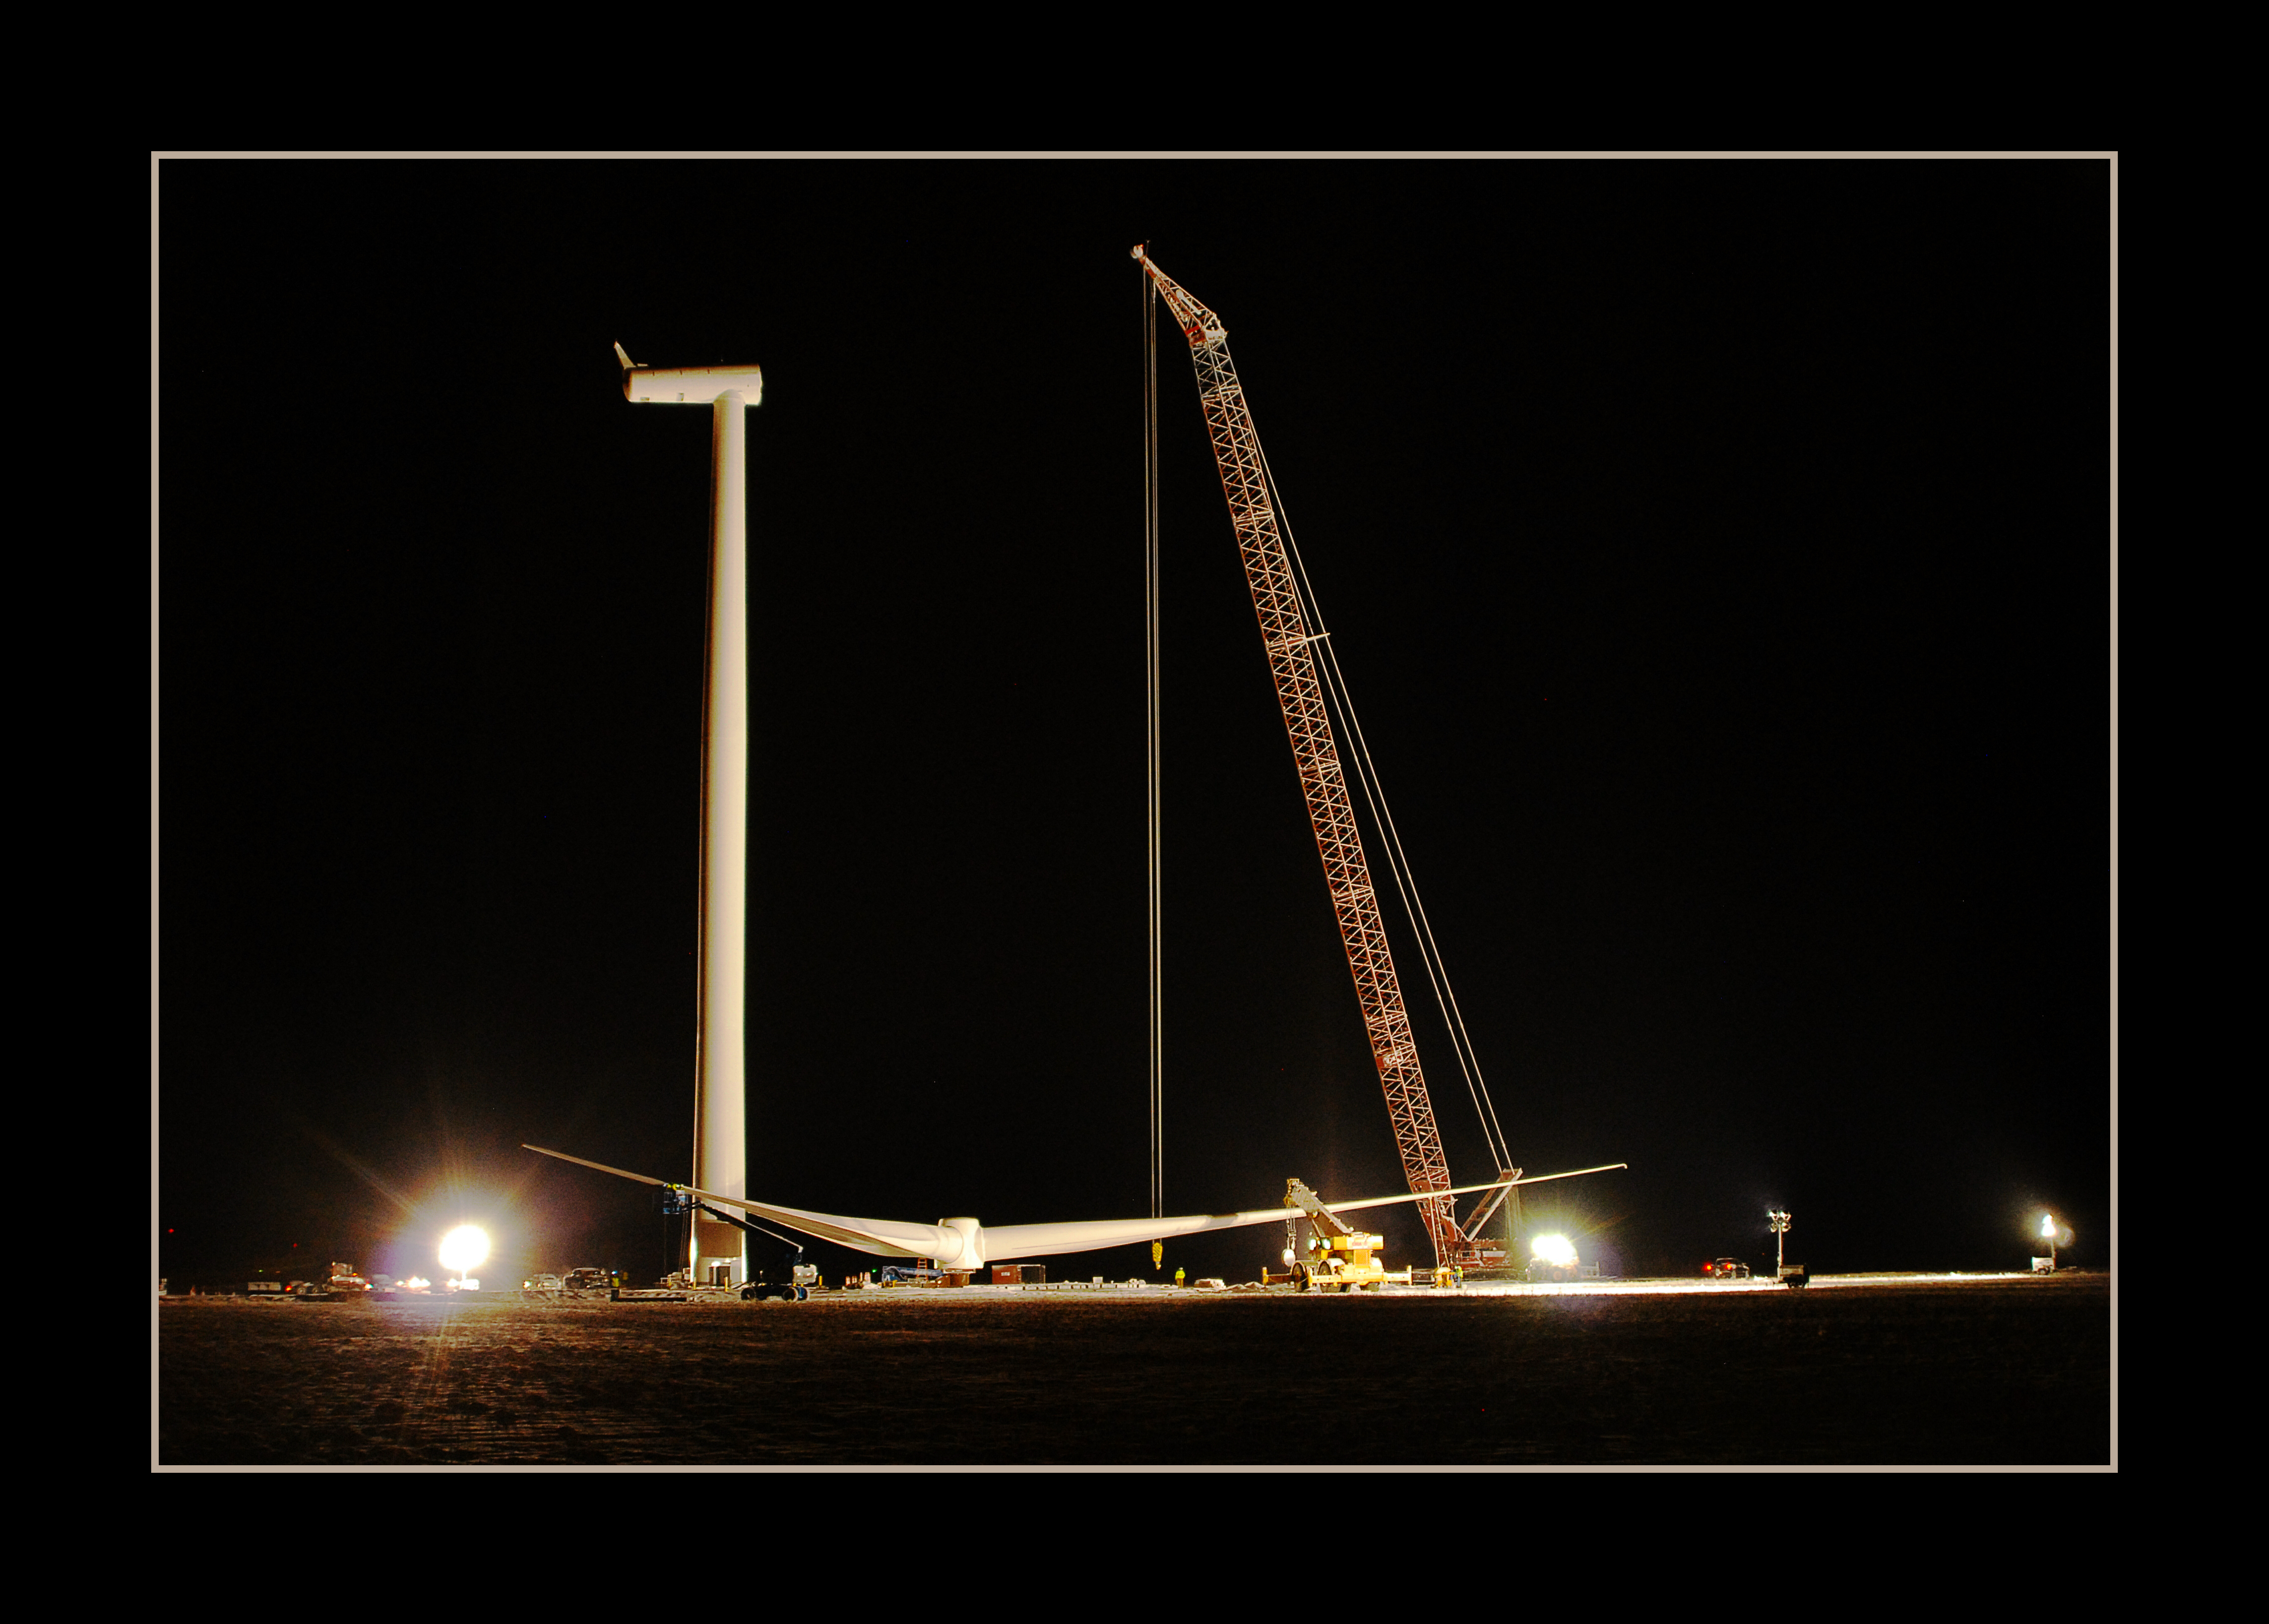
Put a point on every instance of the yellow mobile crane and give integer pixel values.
(1327, 1253)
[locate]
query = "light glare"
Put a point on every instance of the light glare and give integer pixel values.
(464, 1248)
(1555, 1250)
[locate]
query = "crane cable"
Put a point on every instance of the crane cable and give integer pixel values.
(1374, 794)
(1151, 660)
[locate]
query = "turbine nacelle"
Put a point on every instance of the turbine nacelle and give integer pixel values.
(687, 386)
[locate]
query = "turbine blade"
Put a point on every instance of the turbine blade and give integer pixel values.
(885, 1236)
(890, 1237)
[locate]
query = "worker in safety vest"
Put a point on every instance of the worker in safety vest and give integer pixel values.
(1178, 1277)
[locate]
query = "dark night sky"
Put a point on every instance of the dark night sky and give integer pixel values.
(1719, 551)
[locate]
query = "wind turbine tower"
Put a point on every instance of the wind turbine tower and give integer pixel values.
(720, 1143)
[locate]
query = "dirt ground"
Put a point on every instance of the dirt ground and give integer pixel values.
(2003, 1372)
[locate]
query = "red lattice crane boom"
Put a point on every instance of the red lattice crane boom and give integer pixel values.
(1323, 782)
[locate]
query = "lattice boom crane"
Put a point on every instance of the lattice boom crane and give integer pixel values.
(1300, 690)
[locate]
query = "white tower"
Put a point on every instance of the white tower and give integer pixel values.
(721, 1153)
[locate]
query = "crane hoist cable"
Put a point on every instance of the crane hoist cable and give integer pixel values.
(1155, 809)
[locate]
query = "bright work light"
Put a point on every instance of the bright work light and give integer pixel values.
(464, 1249)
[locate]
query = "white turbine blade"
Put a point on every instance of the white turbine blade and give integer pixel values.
(883, 1236)
(1046, 1240)
(1417, 1195)
(1040, 1240)
(601, 1166)
(1548, 1177)
(889, 1237)
(1501, 1183)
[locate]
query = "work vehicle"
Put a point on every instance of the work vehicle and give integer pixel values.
(905, 1275)
(798, 1285)
(587, 1280)
(1726, 1269)
(341, 1283)
(1326, 1253)
(1348, 1263)
(541, 1282)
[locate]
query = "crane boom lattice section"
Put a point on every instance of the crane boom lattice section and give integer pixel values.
(1307, 720)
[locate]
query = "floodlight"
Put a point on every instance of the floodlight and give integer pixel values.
(464, 1248)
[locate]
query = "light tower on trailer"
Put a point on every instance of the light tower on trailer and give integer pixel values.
(721, 1149)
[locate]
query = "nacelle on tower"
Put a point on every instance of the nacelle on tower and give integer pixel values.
(687, 386)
